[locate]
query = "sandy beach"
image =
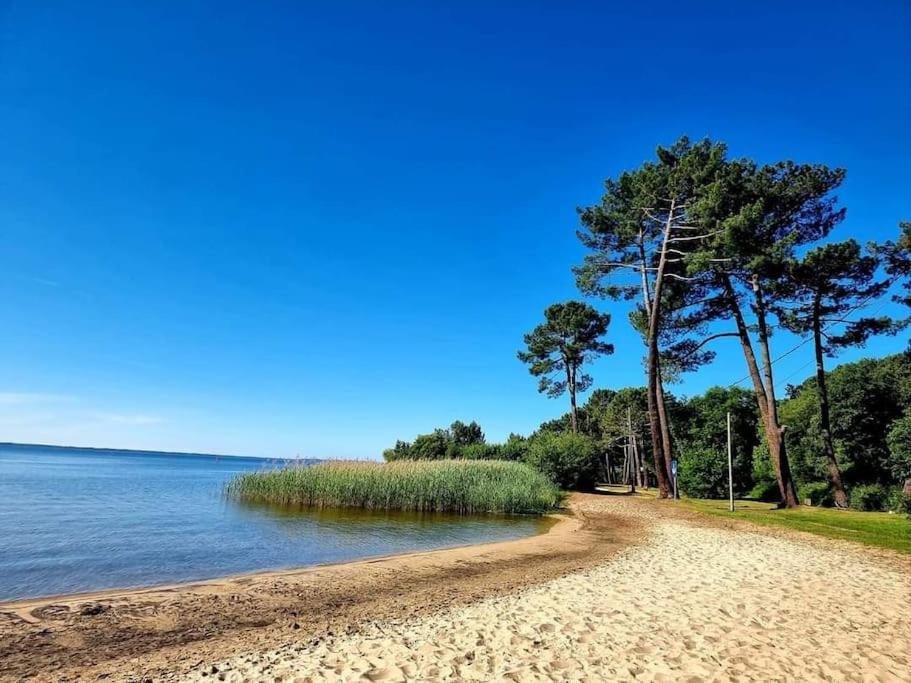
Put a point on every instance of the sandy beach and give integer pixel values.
(624, 589)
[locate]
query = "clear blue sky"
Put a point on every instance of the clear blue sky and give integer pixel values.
(280, 228)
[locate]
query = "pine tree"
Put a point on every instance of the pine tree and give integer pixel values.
(639, 237)
(557, 349)
(817, 295)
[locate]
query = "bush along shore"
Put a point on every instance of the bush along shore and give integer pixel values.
(460, 486)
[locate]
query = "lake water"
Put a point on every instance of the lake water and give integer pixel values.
(78, 520)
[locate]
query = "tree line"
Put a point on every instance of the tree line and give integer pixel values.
(571, 460)
(870, 402)
(707, 247)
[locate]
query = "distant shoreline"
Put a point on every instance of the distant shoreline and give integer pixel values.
(137, 451)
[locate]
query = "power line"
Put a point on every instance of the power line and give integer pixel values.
(806, 341)
(811, 362)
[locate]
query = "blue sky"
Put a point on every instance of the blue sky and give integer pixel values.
(293, 228)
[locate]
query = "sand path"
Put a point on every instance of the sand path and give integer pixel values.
(694, 602)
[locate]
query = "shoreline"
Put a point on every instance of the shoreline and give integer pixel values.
(623, 587)
(151, 631)
(19, 604)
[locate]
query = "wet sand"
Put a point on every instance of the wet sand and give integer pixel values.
(626, 589)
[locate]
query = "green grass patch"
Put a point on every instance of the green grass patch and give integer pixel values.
(460, 486)
(880, 529)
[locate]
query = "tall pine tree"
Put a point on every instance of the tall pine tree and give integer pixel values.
(639, 238)
(817, 296)
(760, 216)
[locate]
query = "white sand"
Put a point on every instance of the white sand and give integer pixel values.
(692, 603)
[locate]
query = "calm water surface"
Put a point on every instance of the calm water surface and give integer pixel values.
(76, 520)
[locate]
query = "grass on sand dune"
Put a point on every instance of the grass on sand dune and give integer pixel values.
(462, 486)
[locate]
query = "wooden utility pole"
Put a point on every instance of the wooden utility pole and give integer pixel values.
(730, 462)
(639, 470)
(634, 449)
(624, 472)
(631, 462)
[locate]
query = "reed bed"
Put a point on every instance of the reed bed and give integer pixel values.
(460, 486)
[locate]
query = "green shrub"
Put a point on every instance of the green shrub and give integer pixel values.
(869, 497)
(515, 448)
(462, 486)
(568, 460)
(401, 451)
(479, 451)
(703, 473)
(765, 490)
(899, 440)
(817, 492)
(765, 486)
(433, 446)
(897, 501)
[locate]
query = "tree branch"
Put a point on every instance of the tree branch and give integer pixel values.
(712, 338)
(696, 237)
(619, 264)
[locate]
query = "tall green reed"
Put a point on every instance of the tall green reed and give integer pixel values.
(461, 486)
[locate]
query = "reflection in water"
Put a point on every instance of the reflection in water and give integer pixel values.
(364, 526)
(77, 520)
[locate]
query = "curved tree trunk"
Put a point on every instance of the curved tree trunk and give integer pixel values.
(838, 487)
(657, 422)
(774, 429)
(765, 399)
(653, 384)
(571, 385)
(666, 441)
(654, 423)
